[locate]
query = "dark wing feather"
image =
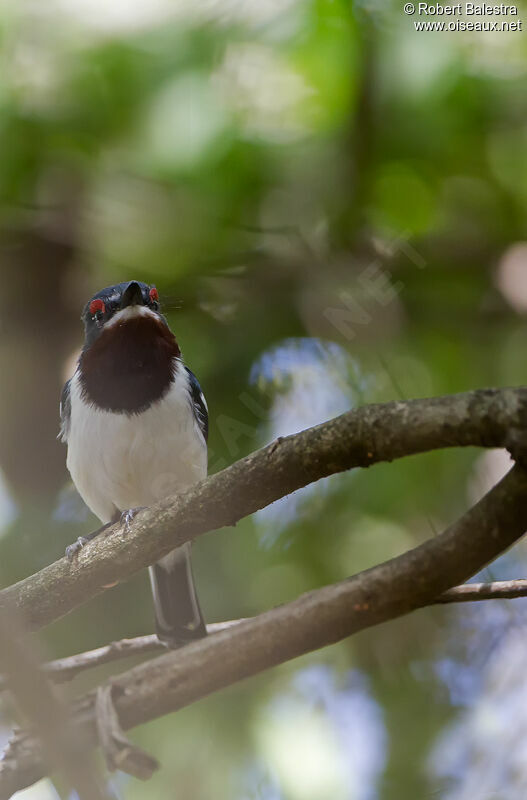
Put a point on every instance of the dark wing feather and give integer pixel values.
(199, 406)
(65, 412)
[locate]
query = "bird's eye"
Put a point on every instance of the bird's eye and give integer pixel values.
(154, 295)
(97, 307)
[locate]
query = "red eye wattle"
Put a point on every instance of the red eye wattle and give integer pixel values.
(96, 306)
(154, 295)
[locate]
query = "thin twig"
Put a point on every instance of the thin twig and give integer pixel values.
(496, 590)
(65, 669)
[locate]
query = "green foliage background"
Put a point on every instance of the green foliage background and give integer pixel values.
(333, 208)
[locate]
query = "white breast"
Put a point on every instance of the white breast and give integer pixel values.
(121, 461)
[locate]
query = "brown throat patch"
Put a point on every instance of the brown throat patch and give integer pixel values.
(130, 365)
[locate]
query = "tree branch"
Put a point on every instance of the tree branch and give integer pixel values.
(61, 741)
(497, 590)
(381, 432)
(66, 669)
(314, 620)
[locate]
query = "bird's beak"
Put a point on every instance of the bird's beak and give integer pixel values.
(132, 295)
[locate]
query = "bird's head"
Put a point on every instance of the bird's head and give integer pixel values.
(118, 304)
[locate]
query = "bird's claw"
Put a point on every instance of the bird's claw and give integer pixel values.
(73, 549)
(127, 517)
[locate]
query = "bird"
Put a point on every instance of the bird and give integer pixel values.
(135, 422)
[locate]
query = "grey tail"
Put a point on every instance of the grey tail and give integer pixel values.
(176, 606)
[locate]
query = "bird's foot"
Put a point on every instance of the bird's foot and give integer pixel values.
(128, 515)
(73, 549)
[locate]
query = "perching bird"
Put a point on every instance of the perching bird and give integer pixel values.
(135, 421)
